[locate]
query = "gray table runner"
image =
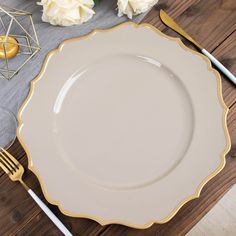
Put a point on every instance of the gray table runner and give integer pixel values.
(14, 92)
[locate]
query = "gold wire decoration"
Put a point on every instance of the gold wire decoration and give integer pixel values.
(18, 40)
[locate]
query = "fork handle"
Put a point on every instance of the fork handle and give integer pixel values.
(49, 213)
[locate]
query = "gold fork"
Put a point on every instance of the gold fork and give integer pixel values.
(15, 172)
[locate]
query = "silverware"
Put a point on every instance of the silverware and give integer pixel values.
(173, 25)
(15, 171)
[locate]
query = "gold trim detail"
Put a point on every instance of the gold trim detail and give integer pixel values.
(201, 185)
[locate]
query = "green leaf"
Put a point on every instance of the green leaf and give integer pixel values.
(96, 1)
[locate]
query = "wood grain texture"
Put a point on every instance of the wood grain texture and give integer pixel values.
(213, 24)
(209, 22)
(226, 53)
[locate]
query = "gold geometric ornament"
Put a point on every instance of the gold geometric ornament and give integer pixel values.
(18, 40)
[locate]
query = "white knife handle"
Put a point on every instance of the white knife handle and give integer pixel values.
(49, 213)
(221, 67)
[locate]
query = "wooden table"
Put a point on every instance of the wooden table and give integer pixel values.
(213, 24)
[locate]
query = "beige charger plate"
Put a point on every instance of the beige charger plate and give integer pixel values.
(124, 126)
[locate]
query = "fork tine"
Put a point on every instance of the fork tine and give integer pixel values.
(10, 158)
(5, 165)
(5, 169)
(7, 161)
(12, 167)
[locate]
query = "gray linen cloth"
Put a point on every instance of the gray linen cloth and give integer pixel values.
(14, 92)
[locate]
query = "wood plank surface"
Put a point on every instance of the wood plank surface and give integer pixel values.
(226, 53)
(213, 24)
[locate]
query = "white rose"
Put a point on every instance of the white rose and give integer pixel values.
(67, 12)
(134, 7)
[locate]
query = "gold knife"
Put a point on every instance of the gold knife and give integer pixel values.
(167, 20)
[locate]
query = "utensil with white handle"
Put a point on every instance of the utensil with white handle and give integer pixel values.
(15, 172)
(167, 20)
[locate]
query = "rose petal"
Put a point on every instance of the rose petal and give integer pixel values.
(67, 12)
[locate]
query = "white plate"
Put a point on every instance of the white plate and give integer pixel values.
(124, 126)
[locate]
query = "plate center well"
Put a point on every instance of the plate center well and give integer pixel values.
(123, 122)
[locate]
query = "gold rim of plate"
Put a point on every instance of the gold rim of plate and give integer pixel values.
(184, 201)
